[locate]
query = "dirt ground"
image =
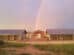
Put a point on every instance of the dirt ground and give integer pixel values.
(29, 50)
(45, 42)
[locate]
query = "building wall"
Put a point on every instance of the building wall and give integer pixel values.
(9, 37)
(39, 37)
(61, 37)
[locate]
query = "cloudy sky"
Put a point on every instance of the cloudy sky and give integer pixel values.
(31, 14)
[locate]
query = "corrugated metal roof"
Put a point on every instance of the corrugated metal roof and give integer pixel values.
(60, 31)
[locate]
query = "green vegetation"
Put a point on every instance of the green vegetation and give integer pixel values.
(4, 44)
(16, 45)
(25, 54)
(7, 52)
(3, 52)
(57, 49)
(63, 49)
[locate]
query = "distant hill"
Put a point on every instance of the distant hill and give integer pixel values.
(60, 31)
(19, 31)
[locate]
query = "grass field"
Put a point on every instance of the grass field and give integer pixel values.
(64, 49)
(56, 49)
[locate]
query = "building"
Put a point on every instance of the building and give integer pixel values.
(12, 34)
(39, 36)
(48, 35)
(61, 34)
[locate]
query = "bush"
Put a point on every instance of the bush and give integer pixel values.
(2, 42)
(25, 54)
